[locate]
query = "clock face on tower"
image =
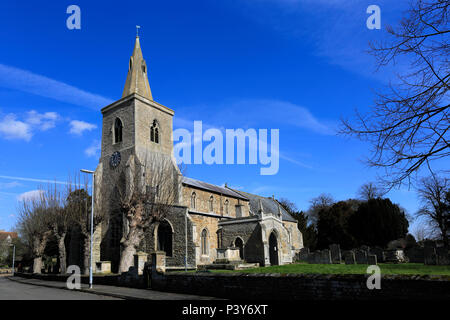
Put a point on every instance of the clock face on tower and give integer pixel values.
(115, 159)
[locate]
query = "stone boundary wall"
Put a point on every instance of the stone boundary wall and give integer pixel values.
(302, 286)
(6, 270)
(109, 280)
(278, 286)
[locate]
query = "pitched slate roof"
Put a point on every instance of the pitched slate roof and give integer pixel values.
(270, 206)
(211, 187)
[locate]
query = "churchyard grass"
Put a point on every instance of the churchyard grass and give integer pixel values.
(386, 268)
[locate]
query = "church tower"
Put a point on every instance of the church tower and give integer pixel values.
(135, 128)
(136, 123)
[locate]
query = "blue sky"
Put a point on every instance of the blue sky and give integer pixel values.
(295, 65)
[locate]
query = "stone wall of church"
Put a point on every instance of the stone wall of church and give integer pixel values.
(201, 223)
(125, 112)
(296, 237)
(250, 233)
(202, 202)
(145, 115)
(177, 220)
(269, 225)
(112, 228)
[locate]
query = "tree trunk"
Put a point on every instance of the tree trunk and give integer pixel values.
(38, 249)
(126, 258)
(62, 253)
(443, 229)
(37, 265)
(129, 249)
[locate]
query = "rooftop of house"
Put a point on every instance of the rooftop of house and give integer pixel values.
(5, 235)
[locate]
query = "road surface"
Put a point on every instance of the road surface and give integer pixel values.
(12, 290)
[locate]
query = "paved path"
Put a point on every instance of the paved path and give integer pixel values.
(12, 290)
(59, 289)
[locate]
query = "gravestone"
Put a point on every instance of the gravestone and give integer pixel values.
(349, 257)
(313, 257)
(335, 250)
(325, 257)
(361, 256)
(430, 256)
(316, 257)
(395, 256)
(365, 248)
(378, 252)
(303, 254)
(372, 259)
(443, 257)
(415, 254)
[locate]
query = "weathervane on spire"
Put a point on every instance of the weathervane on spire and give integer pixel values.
(137, 31)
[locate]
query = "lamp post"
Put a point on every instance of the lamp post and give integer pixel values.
(92, 222)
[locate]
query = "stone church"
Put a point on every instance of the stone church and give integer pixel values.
(209, 223)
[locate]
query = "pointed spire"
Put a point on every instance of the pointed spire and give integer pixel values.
(137, 80)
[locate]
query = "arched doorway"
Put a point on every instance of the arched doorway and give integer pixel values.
(165, 238)
(273, 249)
(238, 243)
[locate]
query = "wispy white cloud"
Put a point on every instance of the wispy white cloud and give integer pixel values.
(11, 128)
(23, 129)
(259, 113)
(29, 195)
(42, 121)
(283, 112)
(32, 179)
(77, 127)
(294, 161)
(10, 185)
(23, 80)
(336, 29)
(94, 149)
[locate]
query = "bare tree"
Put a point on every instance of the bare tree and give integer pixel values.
(422, 232)
(58, 219)
(33, 222)
(147, 192)
(435, 195)
(408, 127)
(369, 191)
(318, 203)
(4, 251)
(78, 208)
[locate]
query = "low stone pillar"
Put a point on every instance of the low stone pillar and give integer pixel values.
(158, 261)
(140, 258)
(103, 267)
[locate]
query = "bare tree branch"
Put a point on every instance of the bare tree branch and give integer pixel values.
(408, 126)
